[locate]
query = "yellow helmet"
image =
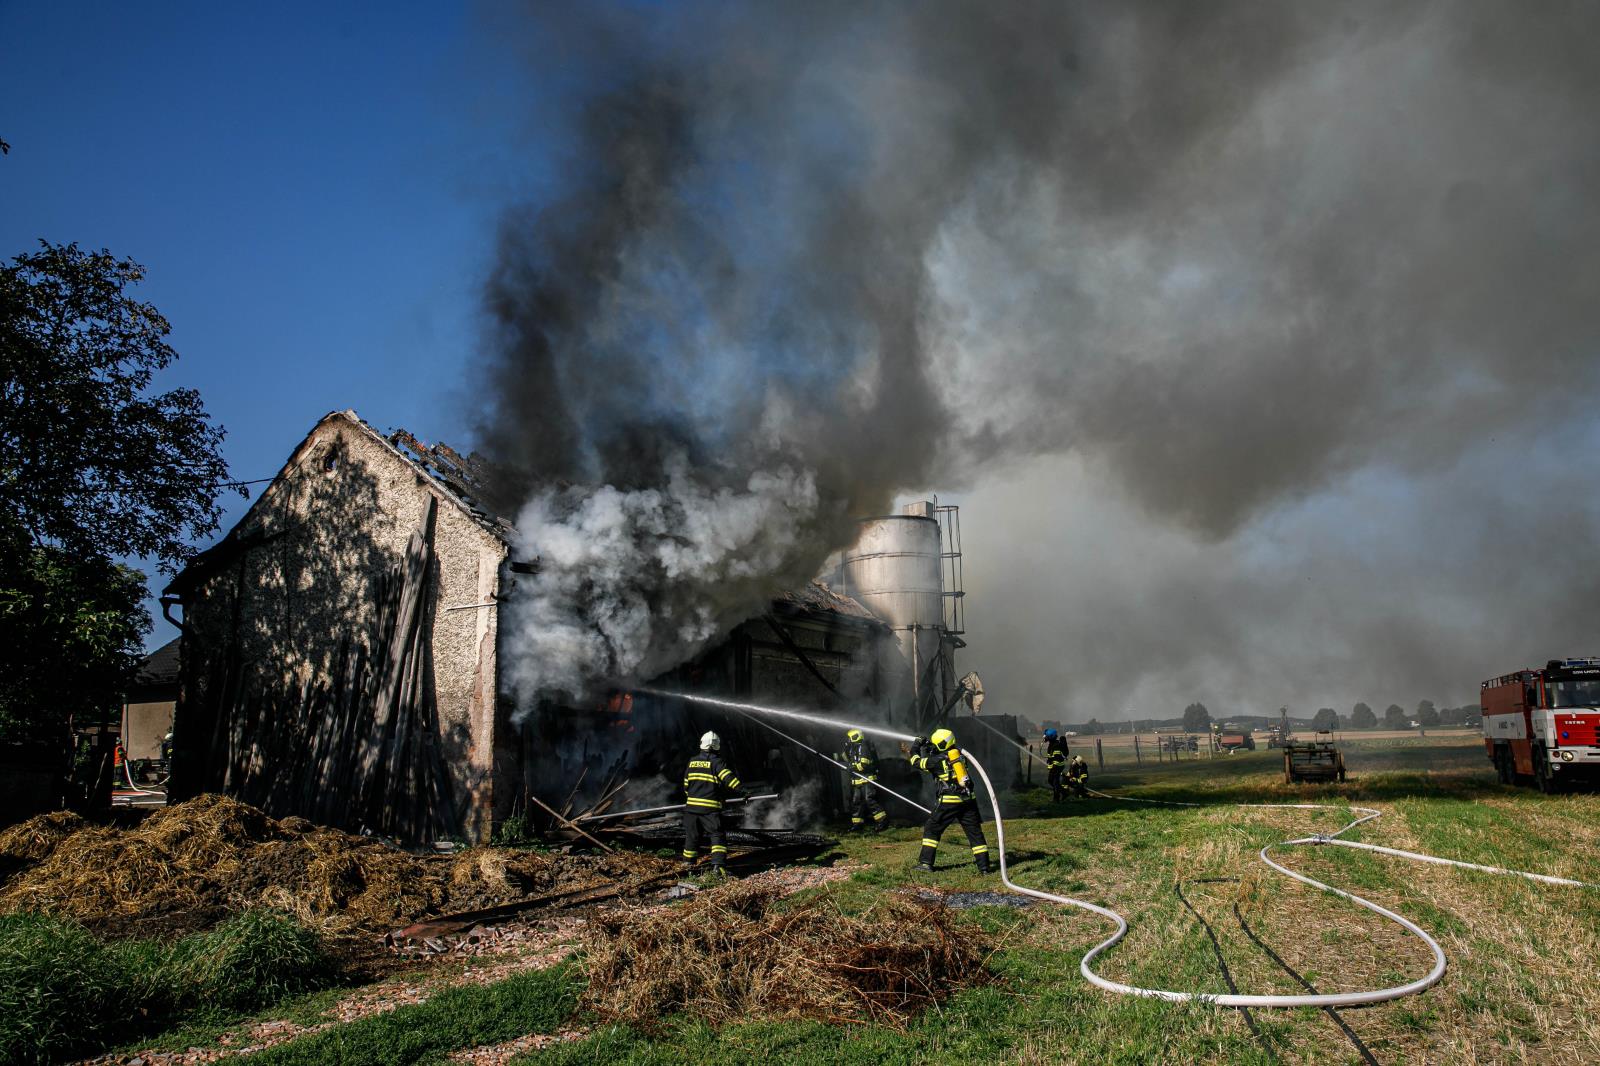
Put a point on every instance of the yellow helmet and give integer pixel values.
(942, 739)
(853, 736)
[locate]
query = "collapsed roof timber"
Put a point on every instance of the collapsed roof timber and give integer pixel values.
(341, 658)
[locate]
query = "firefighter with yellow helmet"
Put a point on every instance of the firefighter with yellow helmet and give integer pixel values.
(861, 755)
(939, 757)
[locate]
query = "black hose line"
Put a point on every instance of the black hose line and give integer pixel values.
(1365, 1052)
(1216, 948)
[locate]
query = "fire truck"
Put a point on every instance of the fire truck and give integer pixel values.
(1543, 725)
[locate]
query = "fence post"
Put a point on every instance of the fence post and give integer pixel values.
(1099, 753)
(1136, 756)
(1030, 765)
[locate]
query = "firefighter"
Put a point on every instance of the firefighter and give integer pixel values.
(862, 757)
(1055, 758)
(1078, 776)
(706, 783)
(939, 756)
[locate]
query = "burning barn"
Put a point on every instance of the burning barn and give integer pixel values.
(342, 657)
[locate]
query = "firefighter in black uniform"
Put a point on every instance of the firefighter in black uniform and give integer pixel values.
(1078, 776)
(862, 758)
(1055, 758)
(939, 756)
(706, 783)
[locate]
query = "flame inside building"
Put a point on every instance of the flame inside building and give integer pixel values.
(344, 658)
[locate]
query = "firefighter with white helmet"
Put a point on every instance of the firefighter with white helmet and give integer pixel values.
(707, 782)
(1078, 776)
(939, 756)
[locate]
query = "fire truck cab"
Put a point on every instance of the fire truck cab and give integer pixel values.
(1543, 726)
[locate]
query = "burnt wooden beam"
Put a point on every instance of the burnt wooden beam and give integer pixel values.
(799, 653)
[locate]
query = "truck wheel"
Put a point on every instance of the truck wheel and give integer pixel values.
(1503, 767)
(1542, 775)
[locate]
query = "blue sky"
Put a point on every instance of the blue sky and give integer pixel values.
(312, 188)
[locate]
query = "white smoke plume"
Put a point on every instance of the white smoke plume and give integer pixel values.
(602, 605)
(796, 808)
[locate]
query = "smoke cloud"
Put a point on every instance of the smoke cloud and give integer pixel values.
(1260, 285)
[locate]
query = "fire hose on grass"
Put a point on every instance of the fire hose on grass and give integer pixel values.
(1342, 999)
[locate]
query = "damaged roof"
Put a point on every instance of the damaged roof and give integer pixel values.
(462, 477)
(817, 596)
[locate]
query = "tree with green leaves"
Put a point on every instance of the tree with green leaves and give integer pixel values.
(95, 466)
(1361, 717)
(1427, 714)
(1326, 718)
(72, 628)
(1394, 717)
(1196, 719)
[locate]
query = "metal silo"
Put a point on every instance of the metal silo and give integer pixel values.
(894, 570)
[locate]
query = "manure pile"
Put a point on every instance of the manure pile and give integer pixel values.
(733, 953)
(191, 865)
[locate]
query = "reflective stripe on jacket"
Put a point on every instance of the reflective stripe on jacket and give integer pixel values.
(707, 781)
(862, 758)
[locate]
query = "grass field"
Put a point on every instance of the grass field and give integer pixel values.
(1521, 985)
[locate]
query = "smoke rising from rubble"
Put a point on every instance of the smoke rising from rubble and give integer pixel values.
(1227, 259)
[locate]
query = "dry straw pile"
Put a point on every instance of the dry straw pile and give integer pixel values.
(731, 953)
(191, 865)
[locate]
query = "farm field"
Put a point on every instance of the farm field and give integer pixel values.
(1520, 985)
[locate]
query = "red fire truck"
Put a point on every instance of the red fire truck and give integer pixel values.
(1543, 725)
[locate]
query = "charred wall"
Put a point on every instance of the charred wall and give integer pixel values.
(806, 659)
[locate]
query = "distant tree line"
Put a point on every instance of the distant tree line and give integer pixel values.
(1197, 718)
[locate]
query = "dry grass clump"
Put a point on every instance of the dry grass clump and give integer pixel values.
(191, 865)
(730, 954)
(27, 843)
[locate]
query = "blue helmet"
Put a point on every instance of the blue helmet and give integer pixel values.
(1049, 734)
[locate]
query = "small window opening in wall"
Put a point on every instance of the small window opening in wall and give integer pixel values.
(330, 461)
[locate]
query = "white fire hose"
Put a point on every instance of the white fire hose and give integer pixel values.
(1341, 999)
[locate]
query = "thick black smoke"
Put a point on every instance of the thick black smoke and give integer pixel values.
(1225, 255)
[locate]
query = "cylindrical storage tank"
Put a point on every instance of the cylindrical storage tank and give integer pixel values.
(894, 571)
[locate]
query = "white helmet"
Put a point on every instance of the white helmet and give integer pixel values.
(710, 742)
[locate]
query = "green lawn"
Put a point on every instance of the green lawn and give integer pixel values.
(1520, 987)
(1509, 994)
